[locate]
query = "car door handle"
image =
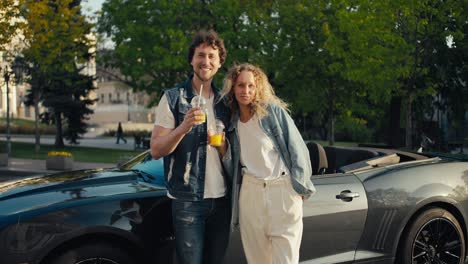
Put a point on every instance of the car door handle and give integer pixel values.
(347, 195)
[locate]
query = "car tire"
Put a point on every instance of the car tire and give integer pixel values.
(102, 253)
(435, 236)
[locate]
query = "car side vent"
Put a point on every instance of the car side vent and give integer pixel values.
(384, 227)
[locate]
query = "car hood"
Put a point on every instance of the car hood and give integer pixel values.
(74, 186)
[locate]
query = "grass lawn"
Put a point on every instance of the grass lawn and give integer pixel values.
(21, 122)
(84, 154)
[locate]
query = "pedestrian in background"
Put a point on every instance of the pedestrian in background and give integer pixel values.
(119, 134)
(269, 162)
(192, 167)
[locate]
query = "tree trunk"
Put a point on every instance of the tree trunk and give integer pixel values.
(331, 114)
(331, 127)
(393, 135)
(37, 144)
(58, 135)
(409, 122)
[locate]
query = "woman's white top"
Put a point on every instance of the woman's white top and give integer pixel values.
(259, 156)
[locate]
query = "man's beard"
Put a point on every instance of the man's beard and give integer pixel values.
(201, 78)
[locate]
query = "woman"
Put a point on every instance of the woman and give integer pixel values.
(269, 159)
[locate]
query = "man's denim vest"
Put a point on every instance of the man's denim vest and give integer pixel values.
(184, 169)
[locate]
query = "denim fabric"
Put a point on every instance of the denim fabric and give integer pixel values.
(201, 230)
(184, 168)
(280, 128)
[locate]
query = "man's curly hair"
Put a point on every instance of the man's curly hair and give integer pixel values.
(211, 38)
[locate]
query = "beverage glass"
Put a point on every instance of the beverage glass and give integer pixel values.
(199, 101)
(216, 135)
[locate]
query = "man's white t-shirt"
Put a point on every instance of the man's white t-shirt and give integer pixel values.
(259, 156)
(215, 186)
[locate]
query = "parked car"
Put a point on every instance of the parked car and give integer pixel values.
(371, 206)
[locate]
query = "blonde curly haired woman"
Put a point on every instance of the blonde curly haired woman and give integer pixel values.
(269, 166)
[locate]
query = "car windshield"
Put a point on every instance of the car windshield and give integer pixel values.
(149, 169)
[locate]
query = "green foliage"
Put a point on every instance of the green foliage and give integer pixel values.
(83, 154)
(58, 42)
(25, 127)
(326, 57)
(399, 48)
(129, 133)
(152, 37)
(28, 130)
(10, 25)
(349, 128)
(3, 147)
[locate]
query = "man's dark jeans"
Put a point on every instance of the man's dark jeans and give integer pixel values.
(201, 230)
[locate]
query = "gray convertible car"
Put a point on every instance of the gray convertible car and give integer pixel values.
(371, 206)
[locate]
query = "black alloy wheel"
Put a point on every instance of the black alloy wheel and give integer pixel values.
(97, 261)
(435, 237)
(94, 253)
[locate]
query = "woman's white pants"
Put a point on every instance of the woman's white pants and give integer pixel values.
(270, 218)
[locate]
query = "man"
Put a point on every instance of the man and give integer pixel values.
(193, 171)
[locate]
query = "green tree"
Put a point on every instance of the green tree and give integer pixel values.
(391, 46)
(10, 24)
(309, 74)
(58, 42)
(448, 69)
(329, 57)
(152, 37)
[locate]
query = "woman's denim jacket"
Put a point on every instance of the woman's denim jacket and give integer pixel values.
(185, 167)
(280, 128)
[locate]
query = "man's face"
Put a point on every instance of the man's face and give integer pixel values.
(205, 62)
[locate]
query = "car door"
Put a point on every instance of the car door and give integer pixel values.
(333, 222)
(333, 219)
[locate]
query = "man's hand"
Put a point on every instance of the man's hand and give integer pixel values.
(193, 117)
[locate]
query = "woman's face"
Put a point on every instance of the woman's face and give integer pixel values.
(244, 88)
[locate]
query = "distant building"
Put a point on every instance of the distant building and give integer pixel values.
(117, 102)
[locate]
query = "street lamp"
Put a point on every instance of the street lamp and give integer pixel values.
(6, 76)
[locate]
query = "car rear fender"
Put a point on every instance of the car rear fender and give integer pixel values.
(433, 202)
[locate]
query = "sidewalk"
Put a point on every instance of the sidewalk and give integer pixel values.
(98, 142)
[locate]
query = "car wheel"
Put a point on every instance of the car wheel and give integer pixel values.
(435, 236)
(95, 253)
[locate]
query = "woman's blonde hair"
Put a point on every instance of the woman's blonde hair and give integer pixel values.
(264, 93)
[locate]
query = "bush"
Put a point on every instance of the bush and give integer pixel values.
(129, 133)
(28, 130)
(3, 147)
(349, 128)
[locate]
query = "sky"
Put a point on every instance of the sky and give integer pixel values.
(93, 5)
(89, 7)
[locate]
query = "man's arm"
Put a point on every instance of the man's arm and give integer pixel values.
(165, 140)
